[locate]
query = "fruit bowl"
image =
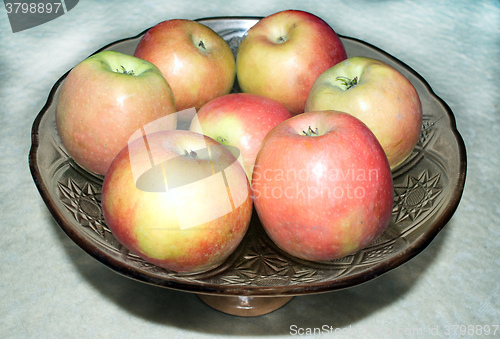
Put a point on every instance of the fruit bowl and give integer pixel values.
(258, 277)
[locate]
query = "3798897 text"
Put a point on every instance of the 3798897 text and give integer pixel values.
(33, 7)
(471, 330)
(425, 331)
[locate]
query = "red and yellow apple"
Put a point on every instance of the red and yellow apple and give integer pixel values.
(322, 186)
(282, 55)
(178, 199)
(241, 120)
(196, 61)
(377, 94)
(106, 98)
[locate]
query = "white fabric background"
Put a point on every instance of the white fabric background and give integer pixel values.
(50, 288)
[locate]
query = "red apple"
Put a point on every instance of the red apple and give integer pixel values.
(178, 199)
(322, 186)
(106, 98)
(241, 120)
(284, 53)
(377, 94)
(195, 60)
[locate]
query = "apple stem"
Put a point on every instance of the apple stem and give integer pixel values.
(190, 154)
(310, 132)
(124, 71)
(222, 140)
(201, 44)
(348, 83)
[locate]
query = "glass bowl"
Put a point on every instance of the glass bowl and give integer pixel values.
(258, 277)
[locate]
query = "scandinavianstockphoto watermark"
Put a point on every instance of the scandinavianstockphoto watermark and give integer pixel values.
(24, 14)
(462, 330)
(351, 183)
(308, 173)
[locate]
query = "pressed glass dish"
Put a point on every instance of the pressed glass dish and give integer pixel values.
(258, 277)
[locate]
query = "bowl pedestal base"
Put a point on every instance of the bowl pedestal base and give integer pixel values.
(244, 306)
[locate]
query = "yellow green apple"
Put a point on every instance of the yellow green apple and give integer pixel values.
(282, 55)
(196, 61)
(104, 100)
(178, 199)
(241, 120)
(377, 94)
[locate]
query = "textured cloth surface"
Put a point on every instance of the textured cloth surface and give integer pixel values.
(50, 288)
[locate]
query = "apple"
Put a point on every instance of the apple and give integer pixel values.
(377, 94)
(106, 98)
(282, 55)
(178, 199)
(322, 186)
(241, 120)
(196, 61)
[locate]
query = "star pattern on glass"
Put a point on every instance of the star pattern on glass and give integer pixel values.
(427, 131)
(262, 265)
(84, 202)
(263, 262)
(378, 254)
(415, 196)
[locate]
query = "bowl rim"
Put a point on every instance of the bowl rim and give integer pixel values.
(214, 289)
